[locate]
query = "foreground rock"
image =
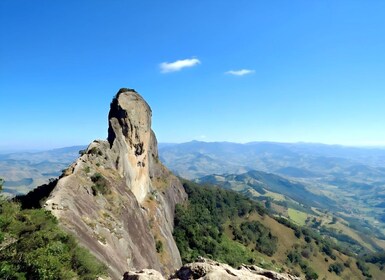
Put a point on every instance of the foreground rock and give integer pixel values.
(118, 199)
(211, 270)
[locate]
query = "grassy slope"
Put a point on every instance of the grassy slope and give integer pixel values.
(297, 216)
(293, 210)
(287, 241)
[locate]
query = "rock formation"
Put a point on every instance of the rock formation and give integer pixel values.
(205, 269)
(118, 199)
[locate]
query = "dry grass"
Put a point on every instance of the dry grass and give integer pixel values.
(297, 216)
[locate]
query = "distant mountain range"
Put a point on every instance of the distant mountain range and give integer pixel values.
(353, 177)
(23, 171)
(196, 159)
(349, 181)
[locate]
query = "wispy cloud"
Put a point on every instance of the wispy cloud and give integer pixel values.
(178, 65)
(240, 72)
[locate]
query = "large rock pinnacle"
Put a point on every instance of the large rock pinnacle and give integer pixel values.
(129, 134)
(117, 198)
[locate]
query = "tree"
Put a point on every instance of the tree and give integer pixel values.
(337, 268)
(34, 247)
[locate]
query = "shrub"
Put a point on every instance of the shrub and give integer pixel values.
(38, 249)
(364, 268)
(100, 185)
(293, 257)
(310, 274)
(95, 151)
(159, 246)
(337, 268)
(255, 232)
(328, 250)
(306, 253)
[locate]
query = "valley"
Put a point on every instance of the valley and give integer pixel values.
(24, 171)
(336, 190)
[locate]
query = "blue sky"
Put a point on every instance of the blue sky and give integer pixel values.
(314, 71)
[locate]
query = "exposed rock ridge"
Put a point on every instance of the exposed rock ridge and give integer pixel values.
(205, 269)
(118, 199)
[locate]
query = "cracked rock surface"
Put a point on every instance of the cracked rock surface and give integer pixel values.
(117, 198)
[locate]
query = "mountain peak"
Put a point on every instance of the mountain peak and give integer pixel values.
(117, 198)
(129, 115)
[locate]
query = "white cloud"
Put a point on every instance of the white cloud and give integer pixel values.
(178, 65)
(240, 72)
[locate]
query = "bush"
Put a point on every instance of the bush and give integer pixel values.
(255, 232)
(38, 249)
(159, 246)
(100, 186)
(310, 274)
(306, 253)
(337, 268)
(294, 257)
(364, 268)
(95, 151)
(328, 250)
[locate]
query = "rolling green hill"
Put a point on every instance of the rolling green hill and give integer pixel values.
(295, 202)
(346, 182)
(228, 227)
(261, 182)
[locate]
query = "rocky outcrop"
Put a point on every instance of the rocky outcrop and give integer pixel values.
(206, 269)
(118, 199)
(144, 274)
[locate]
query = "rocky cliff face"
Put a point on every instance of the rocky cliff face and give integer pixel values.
(118, 199)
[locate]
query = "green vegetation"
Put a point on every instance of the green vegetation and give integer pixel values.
(375, 258)
(226, 226)
(87, 169)
(35, 198)
(256, 233)
(337, 268)
(100, 184)
(364, 268)
(199, 226)
(33, 247)
(124, 90)
(346, 182)
(297, 216)
(295, 258)
(95, 151)
(159, 246)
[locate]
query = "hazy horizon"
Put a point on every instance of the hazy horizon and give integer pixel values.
(5, 150)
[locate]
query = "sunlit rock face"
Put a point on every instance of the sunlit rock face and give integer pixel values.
(206, 269)
(129, 135)
(117, 198)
